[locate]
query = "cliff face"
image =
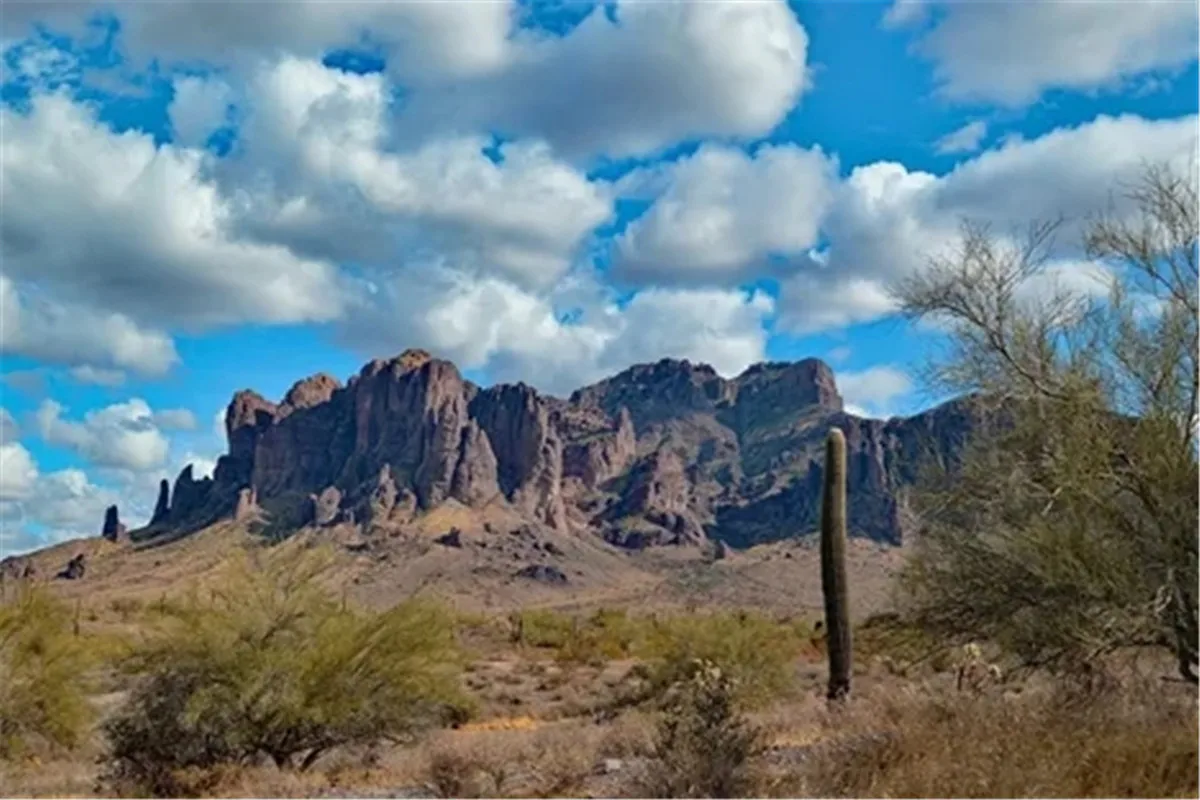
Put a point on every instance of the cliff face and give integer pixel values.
(662, 453)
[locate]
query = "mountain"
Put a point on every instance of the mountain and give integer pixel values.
(660, 454)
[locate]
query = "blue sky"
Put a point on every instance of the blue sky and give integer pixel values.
(200, 198)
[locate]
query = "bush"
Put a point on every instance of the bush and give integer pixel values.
(606, 635)
(756, 653)
(703, 746)
(271, 667)
(43, 675)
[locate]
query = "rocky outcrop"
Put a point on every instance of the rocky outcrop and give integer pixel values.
(663, 453)
(162, 507)
(247, 504)
(519, 424)
(543, 573)
(476, 473)
(190, 496)
(15, 568)
(596, 451)
(112, 529)
(325, 506)
(75, 569)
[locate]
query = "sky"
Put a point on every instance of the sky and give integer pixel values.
(198, 197)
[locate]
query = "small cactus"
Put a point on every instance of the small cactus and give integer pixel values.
(833, 566)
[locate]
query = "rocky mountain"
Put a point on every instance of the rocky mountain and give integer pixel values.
(664, 453)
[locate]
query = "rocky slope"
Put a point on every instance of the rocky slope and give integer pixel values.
(664, 453)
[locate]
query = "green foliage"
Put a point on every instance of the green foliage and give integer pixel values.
(269, 665)
(703, 745)
(833, 566)
(543, 628)
(1070, 529)
(606, 635)
(756, 653)
(43, 675)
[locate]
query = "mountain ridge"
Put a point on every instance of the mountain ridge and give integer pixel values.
(663, 453)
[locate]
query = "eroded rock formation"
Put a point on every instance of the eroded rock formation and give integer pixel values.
(662, 453)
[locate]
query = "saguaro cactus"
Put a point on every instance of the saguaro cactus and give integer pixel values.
(833, 565)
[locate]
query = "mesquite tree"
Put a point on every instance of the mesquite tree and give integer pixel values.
(1070, 528)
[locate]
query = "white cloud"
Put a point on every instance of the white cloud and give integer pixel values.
(562, 340)
(423, 41)
(18, 473)
(870, 392)
(10, 429)
(120, 436)
(1010, 53)
(722, 213)
(199, 107)
(885, 220)
(98, 377)
(318, 137)
(964, 140)
(65, 503)
(661, 73)
(72, 333)
(811, 303)
(154, 233)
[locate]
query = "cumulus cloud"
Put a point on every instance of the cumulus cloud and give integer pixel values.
(318, 137)
(1010, 53)
(721, 213)
(423, 41)
(660, 73)
(870, 392)
(46, 329)
(561, 340)
(122, 225)
(63, 504)
(127, 436)
(198, 108)
(18, 473)
(886, 220)
(964, 140)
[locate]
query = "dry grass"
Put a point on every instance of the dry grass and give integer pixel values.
(912, 740)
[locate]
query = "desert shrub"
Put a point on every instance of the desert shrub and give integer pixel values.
(757, 654)
(44, 669)
(269, 666)
(703, 745)
(542, 628)
(606, 635)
